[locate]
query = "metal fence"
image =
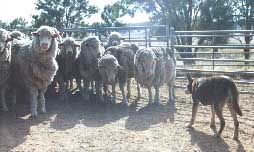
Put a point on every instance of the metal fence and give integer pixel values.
(210, 59)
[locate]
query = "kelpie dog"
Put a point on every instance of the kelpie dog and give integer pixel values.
(215, 91)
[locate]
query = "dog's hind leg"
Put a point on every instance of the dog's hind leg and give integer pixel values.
(194, 113)
(212, 125)
(236, 123)
(218, 110)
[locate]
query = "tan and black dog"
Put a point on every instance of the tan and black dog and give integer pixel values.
(215, 91)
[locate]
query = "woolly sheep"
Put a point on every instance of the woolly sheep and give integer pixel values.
(5, 65)
(125, 55)
(91, 51)
(67, 62)
(35, 65)
(17, 35)
(114, 39)
(108, 67)
(154, 67)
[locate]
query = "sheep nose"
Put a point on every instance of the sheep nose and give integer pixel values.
(44, 45)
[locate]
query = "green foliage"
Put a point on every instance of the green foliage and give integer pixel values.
(4, 25)
(111, 13)
(18, 23)
(62, 13)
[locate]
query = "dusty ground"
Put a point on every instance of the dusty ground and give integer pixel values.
(75, 125)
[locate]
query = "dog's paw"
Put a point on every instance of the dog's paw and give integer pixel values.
(217, 135)
(235, 138)
(189, 126)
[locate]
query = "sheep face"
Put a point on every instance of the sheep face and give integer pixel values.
(93, 44)
(4, 39)
(147, 63)
(69, 47)
(115, 39)
(45, 36)
(108, 67)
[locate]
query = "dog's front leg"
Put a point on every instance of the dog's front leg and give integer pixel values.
(194, 113)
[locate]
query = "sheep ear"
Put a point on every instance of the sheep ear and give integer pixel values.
(60, 45)
(35, 34)
(76, 45)
(9, 39)
(189, 77)
(120, 67)
(55, 35)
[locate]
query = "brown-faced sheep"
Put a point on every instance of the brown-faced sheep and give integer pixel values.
(5, 65)
(34, 65)
(91, 51)
(67, 61)
(125, 55)
(154, 67)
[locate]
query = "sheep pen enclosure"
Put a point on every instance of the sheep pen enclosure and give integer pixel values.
(76, 125)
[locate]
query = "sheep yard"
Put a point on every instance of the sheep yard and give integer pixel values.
(76, 125)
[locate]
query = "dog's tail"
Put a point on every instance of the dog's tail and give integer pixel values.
(235, 99)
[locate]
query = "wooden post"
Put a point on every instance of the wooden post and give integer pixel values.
(172, 39)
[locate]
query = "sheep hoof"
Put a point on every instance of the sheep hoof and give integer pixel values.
(86, 97)
(34, 114)
(5, 109)
(114, 100)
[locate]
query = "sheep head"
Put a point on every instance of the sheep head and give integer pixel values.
(108, 67)
(4, 39)
(45, 35)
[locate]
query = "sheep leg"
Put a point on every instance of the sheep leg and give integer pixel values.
(150, 95)
(114, 92)
(78, 81)
(157, 95)
(3, 100)
(71, 84)
(98, 87)
(105, 89)
(13, 96)
(138, 90)
(121, 86)
(128, 88)
(92, 87)
(62, 87)
(171, 94)
(41, 100)
(33, 93)
(85, 92)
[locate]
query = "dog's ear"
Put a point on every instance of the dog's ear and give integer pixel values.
(189, 77)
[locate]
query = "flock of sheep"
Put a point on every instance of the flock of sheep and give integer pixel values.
(47, 60)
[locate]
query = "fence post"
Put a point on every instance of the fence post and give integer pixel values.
(167, 35)
(172, 39)
(146, 36)
(213, 51)
(129, 35)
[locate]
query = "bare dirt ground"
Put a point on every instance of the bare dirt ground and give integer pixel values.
(75, 125)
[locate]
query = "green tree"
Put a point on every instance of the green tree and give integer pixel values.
(18, 23)
(244, 16)
(62, 13)
(4, 25)
(216, 15)
(111, 13)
